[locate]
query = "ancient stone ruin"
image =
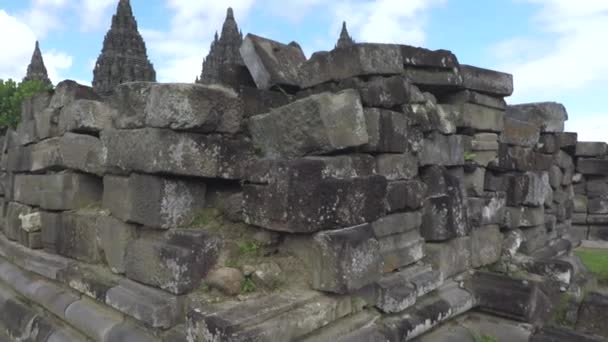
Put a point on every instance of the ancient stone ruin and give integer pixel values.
(36, 71)
(373, 192)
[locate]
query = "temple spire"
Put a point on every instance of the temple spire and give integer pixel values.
(345, 38)
(36, 71)
(224, 52)
(123, 57)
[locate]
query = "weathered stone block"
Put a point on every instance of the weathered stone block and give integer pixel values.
(486, 246)
(520, 133)
(485, 142)
(486, 210)
(400, 250)
(439, 149)
(428, 116)
(467, 96)
(364, 59)
(343, 260)
(153, 150)
(451, 257)
(397, 166)
(389, 92)
(389, 132)
(71, 151)
(63, 191)
(434, 80)
(474, 181)
(175, 263)
(549, 116)
(598, 205)
(272, 63)
(523, 217)
(592, 314)
(12, 225)
(530, 189)
(403, 195)
(77, 237)
(482, 118)
(534, 238)
(421, 57)
(187, 107)
(596, 187)
(588, 166)
(396, 224)
(486, 81)
(521, 159)
(394, 294)
(86, 116)
(93, 319)
(114, 237)
(153, 201)
(299, 197)
(591, 149)
(318, 124)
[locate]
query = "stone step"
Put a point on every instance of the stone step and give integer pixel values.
(278, 317)
(439, 306)
(344, 328)
(55, 281)
(559, 334)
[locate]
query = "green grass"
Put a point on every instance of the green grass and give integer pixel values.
(560, 312)
(479, 337)
(468, 156)
(596, 260)
(248, 286)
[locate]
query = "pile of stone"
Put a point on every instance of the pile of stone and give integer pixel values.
(590, 219)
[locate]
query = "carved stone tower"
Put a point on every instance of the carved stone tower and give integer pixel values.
(224, 53)
(123, 57)
(345, 38)
(36, 71)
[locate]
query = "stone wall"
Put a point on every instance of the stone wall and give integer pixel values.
(355, 189)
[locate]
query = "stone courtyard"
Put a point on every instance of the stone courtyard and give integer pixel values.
(374, 192)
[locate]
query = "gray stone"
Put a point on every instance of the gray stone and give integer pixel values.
(63, 191)
(394, 295)
(318, 124)
(389, 132)
(420, 57)
(451, 257)
(439, 149)
(549, 116)
(591, 149)
(86, 116)
(592, 314)
(389, 92)
(555, 176)
(588, 166)
(92, 319)
(78, 236)
(520, 133)
(485, 142)
(431, 116)
(596, 187)
(153, 201)
(523, 217)
(400, 250)
(474, 181)
(486, 246)
(531, 189)
(482, 118)
(434, 80)
(365, 59)
(272, 63)
(347, 166)
(599, 233)
(486, 210)
(403, 195)
(598, 205)
(519, 158)
(600, 219)
(12, 225)
(125, 332)
(269, 276)
(468, 96)
(227, 280)
(534, 238)
(151, 150)
(175, 263)
(397, 166)
(189, 107)
(559, 334)
(114, 236)
(155, 308)
(71, 151)
(396, 224)
(486, 81)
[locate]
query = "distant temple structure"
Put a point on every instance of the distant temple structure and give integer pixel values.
(123, 57)
(36, 71)
(345, 38)
(224, 58)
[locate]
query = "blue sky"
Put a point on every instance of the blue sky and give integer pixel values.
(554, 48)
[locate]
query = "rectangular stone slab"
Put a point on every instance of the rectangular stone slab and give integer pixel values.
(549, 116)
(487, 81)
(64, 191)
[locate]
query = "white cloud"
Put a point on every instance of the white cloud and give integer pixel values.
(56, 62)
(590, 127)
(569, 55)
(94, 13)
(17, 47)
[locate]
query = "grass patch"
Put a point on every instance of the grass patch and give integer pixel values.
(596, 260)
(468, 156)
(248, 286)
(206, 217)
(248, 251)
(479, 337)
(560, 313)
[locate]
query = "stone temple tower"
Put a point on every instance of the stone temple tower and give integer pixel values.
(345, 38)
(36, 71)
(123, 57)
(224, 55)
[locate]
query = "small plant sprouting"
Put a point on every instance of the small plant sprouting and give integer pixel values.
(248, 286)
(468, 156)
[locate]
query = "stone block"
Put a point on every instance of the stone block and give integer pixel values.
(558, 334)
(421, 57)
(153, 201)
(317, 124)
(181, 107)
(428, 116)
(341, 261)
(534, 238)
(272, 63)
(71, 151)
(486, 81)
(531, 189)
(481, 118)
(69, 91)
(486, 210)
(297, 197)
(14, 212)
(468, 96)
(365, 59)
(439, 149)
(523, 217)
(62, 191)
(155, 308)
(114, 237)
(86, 116)
(549, 116)
(590, 166)
(397, 166)
(396, 224)
(260, 101)
(555, 176)
(517, 158)
(400, 250)
(33, 105)
(46, 123)
(389, 132)
(486, 246)
(402, 195)
(598, 205)
(19, 159)
(451, 257)
(519, 133)
(474, 181)
(77, 237)
(598, 233)
(592, 314)
(394, 294)
(591, 149)
(152, 150)
(175, 263)
(92, 319)
(434, 80)
(596, 187)
(389, 92)
(485, 142)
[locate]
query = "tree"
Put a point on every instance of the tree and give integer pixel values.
(12, 95)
